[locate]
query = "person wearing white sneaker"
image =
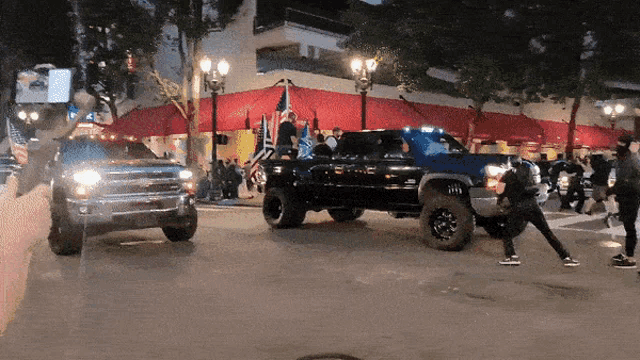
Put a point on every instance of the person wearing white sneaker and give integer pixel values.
(627, 191)
(517, 186)
(600, 181)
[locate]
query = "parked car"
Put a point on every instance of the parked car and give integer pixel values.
(103, 186)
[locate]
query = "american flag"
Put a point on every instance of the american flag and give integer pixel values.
(305, 144)
(18, 142)
(283, 111)
(264, 147)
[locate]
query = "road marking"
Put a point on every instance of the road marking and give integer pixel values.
(561, 224)
(133, 243)
(217, 208)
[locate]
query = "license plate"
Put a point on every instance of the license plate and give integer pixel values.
(148, 205)
(146, 220)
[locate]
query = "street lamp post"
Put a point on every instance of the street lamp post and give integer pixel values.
(613, 111)
(214, 80)
(362, 71)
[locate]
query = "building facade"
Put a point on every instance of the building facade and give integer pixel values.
(274, 40)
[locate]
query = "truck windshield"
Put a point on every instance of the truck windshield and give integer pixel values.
(78, 151)
(431, 143)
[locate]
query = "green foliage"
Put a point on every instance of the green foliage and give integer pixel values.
(502, 49)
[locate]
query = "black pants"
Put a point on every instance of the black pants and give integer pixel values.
(575, 191)
(628, 209)
(528, 210)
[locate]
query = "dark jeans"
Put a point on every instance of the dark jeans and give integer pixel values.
(575, 191)
(528, 210)
(628, 212)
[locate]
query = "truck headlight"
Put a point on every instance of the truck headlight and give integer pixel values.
(493, 174)
(564, 182)
(186, 174)
(87, 177)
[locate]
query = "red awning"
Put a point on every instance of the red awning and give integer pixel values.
(330, 108)
(596, 137)
(513, 129)
(453, 120)
(237, 109)
(159, 121)
(333, 109)
(555, 132)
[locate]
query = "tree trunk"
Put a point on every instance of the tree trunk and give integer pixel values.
(571, 135)
(471, 127)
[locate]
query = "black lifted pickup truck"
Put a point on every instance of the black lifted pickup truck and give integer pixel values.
(103, 186)
(414, 172)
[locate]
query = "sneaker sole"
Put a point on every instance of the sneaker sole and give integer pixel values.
(625, 267)
(571, 265)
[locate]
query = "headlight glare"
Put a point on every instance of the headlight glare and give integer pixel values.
(87, 177)
(494, 171)
(186, 174)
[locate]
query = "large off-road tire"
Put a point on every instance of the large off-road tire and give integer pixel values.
(497, 227)
(447, 223)
(64, 237)
(281, 210)
(342, 215)
(183, 233)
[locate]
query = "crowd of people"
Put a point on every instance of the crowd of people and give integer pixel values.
(624, 195)
(230, 181)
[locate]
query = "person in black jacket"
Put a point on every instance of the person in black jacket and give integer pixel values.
(627, 191)
(518, 188)
(576, 189)
(554, 175)
(600, 183)
(321, 148)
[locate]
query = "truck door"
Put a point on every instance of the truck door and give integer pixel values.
(397, 175)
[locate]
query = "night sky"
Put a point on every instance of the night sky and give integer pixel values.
(42, 29)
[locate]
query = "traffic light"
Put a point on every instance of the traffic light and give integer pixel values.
(222, 139)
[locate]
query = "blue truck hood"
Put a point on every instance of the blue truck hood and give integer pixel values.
(461, 163)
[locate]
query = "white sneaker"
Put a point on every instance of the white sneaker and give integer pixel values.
(514, 260)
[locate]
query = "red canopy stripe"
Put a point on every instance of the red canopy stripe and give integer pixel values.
(159, 121)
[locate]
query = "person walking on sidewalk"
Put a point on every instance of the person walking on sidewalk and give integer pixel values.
(600, 182)
(517, 186)
(627, 192)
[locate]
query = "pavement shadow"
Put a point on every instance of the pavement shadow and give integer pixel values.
(352, 235)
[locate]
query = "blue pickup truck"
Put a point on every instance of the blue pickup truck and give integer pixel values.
(414, 172)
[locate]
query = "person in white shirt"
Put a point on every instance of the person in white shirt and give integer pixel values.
(332, 140)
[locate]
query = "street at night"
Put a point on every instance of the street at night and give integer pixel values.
(368, 288)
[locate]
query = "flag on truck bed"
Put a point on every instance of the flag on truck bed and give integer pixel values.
(18, 142)
(264, 147)
(305, 144)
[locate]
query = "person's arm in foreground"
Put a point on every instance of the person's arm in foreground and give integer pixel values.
(24, 221)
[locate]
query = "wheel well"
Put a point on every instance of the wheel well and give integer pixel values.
(445, 187)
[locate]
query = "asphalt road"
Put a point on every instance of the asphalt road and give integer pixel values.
(368, 288)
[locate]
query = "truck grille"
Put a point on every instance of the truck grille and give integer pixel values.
(128, 176)
(138, 188)
(138, 183)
